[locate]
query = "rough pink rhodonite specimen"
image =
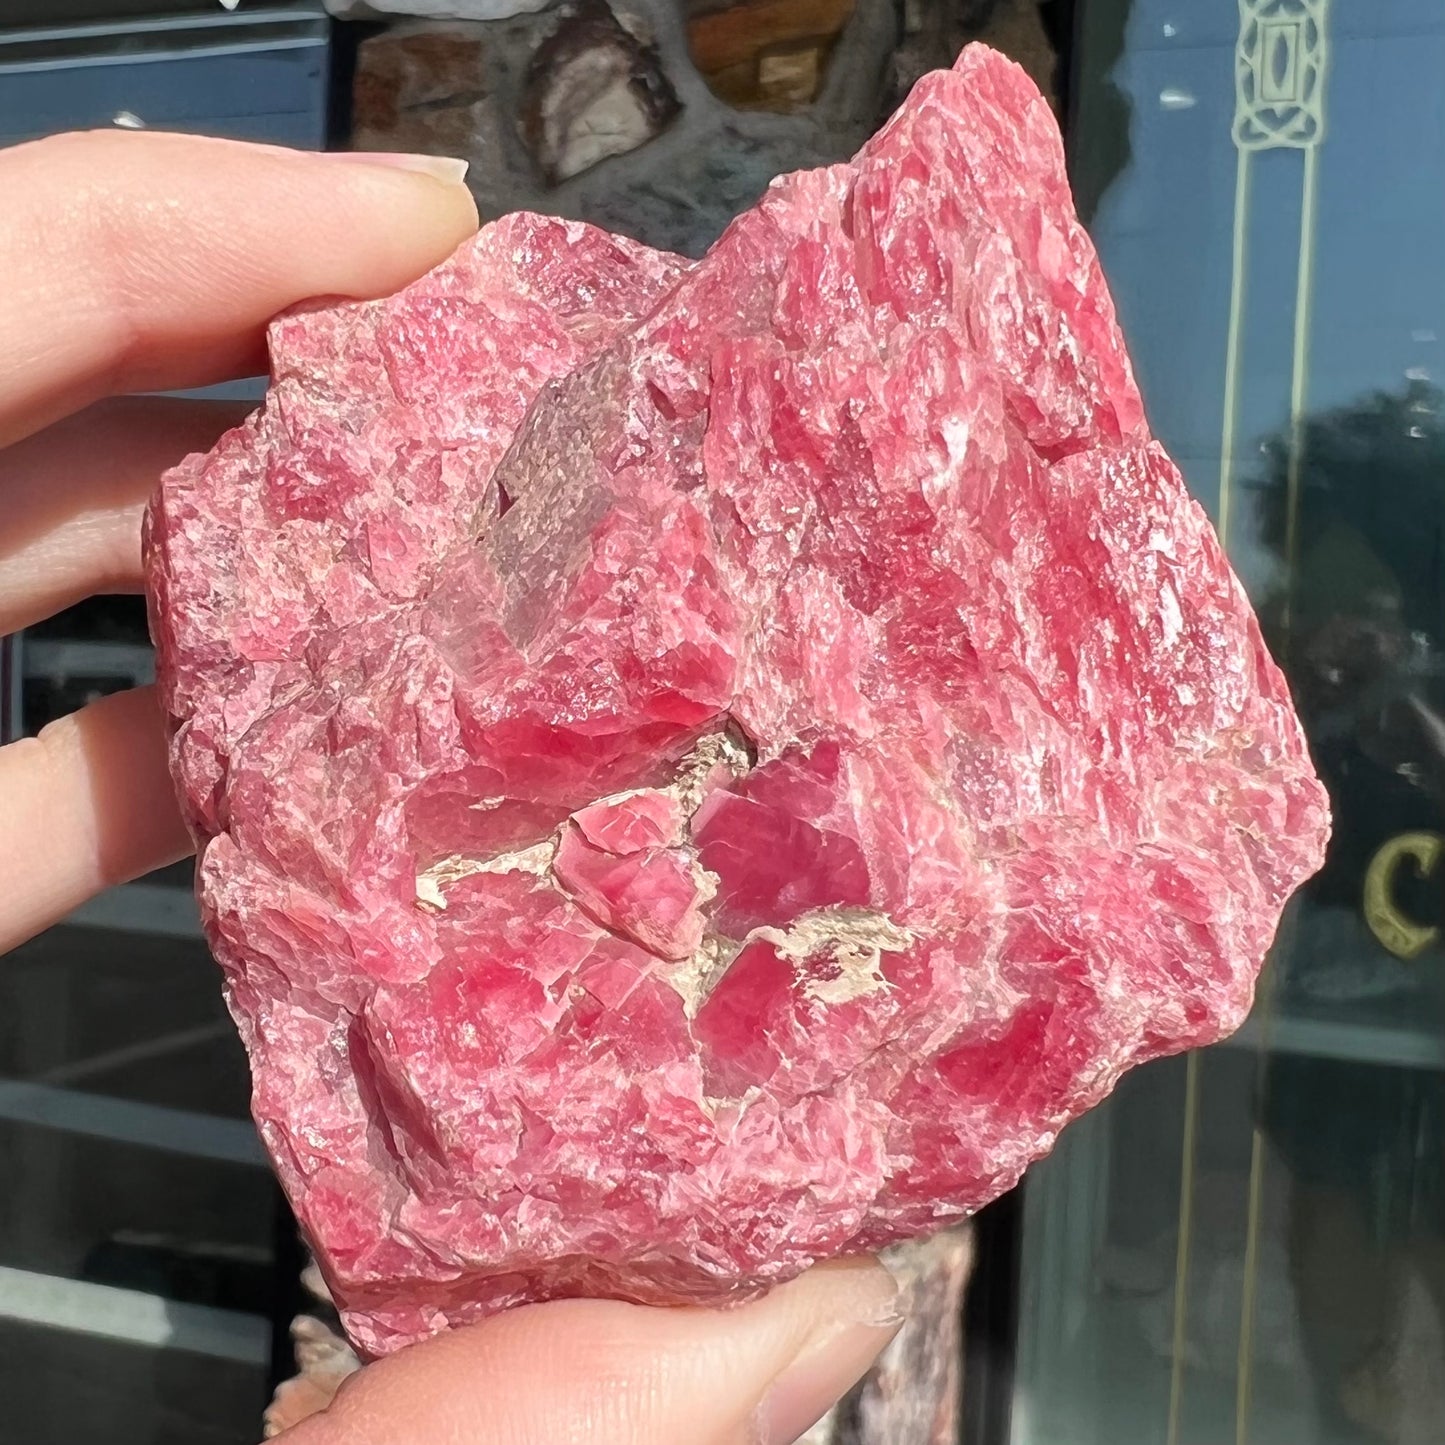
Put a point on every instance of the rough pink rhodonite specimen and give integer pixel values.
(703, 766)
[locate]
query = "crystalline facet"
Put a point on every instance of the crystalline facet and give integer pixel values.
(704, 766)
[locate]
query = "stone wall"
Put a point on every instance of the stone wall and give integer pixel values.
(662, 118)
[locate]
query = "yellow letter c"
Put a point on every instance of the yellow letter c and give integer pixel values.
(1401, 935)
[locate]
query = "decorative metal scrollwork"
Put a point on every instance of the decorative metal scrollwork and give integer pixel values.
(1279, 73)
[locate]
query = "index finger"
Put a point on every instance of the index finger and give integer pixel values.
(143, 262)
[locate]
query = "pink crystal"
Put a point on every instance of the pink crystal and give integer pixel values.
(701, 767)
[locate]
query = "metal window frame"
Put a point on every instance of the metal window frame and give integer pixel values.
(133, 1317)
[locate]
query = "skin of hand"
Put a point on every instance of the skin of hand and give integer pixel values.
(140, 263)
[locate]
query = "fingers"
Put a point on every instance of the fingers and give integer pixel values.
(142, 262)
(71, 499)
(85, 805)
(616, 1374)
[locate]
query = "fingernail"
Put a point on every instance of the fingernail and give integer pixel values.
(442, 168)
(830, 1362)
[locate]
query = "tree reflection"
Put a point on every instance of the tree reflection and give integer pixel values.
(1355, 612)
(1358, 620)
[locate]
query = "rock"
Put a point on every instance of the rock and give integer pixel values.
(324, 1361)
(422, 90)
(935, 30)
(914, 1394)
(434, 9)
(766, 54)
(789, 76)
(828, 594)
(594, 89)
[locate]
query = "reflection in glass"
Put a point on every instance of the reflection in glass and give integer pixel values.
(1249, 1245)
(1358, 621)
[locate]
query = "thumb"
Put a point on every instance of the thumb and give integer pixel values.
(619, 1374)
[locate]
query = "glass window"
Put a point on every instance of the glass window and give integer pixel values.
(138, 1223)
(1249, 1244)
(147, 1262)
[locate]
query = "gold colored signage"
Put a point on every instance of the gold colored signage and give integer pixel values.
(1279, 74)
(1395, 930)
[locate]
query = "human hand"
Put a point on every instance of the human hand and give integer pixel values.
(144, 262)
(134, 263)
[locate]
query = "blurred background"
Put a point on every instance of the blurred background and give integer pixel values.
(1243, 1245)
